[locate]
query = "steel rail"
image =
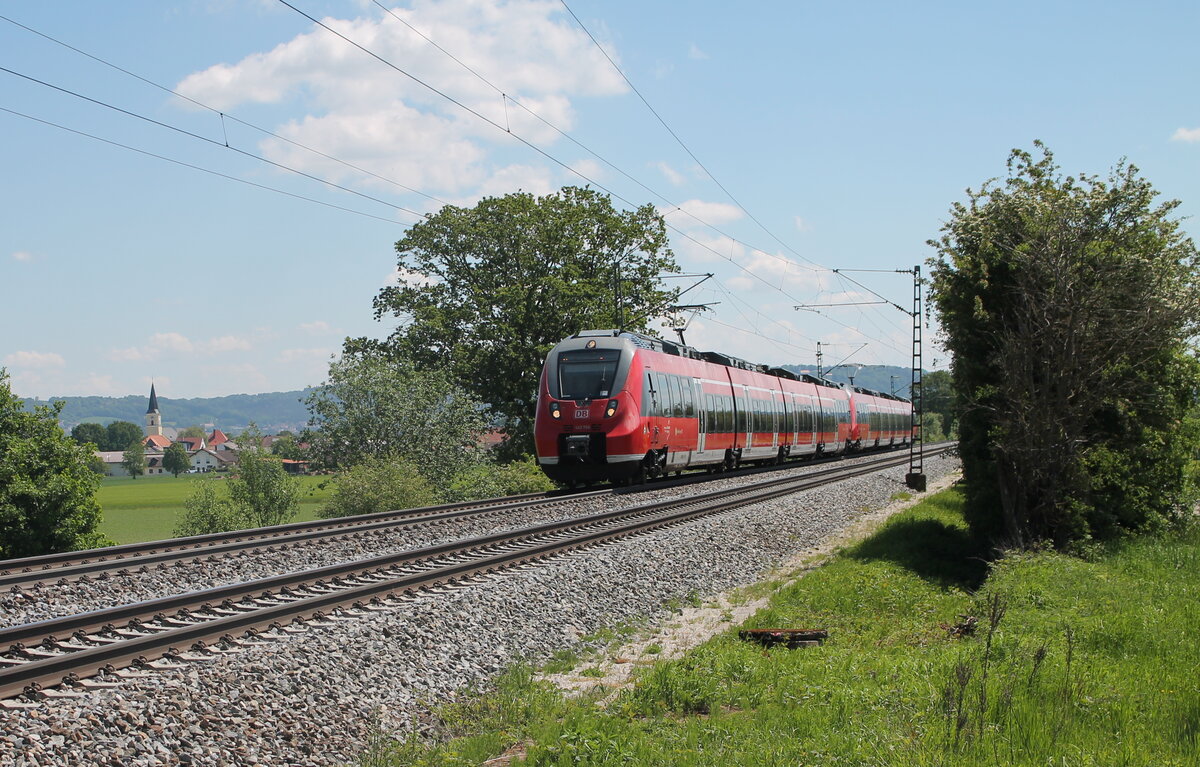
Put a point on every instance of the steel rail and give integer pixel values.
(125, 551)
(30, 676)
(197, 548)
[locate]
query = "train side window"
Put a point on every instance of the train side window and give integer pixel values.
(676, 397)
(689, 398)
(664, 395)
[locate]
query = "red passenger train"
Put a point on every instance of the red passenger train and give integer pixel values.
(618, 406)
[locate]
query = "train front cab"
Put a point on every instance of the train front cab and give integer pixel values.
(588, 425)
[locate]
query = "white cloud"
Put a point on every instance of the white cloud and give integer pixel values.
(1190, 135)
(225, 344)
(780, 271)
(675, 177)
(172, 342)
(176, 342)
(367, 113)
(128, 354)
(316, 327)
(703, 248)
(589, 168)
(22, 255)
(100, 385)
(695, 53)
(247, 376)
(36, 360)
(698, 213)
(802, 225)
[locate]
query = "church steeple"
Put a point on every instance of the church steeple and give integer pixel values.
(153, 417)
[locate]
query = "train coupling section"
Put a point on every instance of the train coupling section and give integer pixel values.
(579, 445)
(789, 638)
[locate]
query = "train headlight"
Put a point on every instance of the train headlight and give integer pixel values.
(555, 412)
(611, 410)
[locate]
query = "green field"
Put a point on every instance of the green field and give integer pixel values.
(933, 658)
(146, 508)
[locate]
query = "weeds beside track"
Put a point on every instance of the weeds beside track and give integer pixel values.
(1068, 662)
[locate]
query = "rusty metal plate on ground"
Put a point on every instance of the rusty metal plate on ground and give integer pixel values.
(790, 638)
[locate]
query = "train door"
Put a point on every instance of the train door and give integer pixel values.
(746, 432)
(738, 416)
(701, 410)
(776, 420)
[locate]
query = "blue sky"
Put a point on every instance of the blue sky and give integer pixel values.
(843, 131)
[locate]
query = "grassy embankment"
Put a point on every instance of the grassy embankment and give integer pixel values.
(146, 508)
(1071, 662)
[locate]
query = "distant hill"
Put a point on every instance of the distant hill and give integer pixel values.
(876, 377)
(271, 412)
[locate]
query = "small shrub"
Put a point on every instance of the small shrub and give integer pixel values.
(378, 484)
(487, 479)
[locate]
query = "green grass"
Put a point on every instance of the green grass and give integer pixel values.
(146, 508)
(1071, 662)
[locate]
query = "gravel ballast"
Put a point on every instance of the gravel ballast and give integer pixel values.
(51, 600)
(314, 698)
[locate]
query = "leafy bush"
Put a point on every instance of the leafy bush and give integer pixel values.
(47, 485)
(487, 479)
(379, 484)
(208, 511)
(260, 494)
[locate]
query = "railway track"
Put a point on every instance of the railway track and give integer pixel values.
(54, 568)
(69, 652)
(133, 558)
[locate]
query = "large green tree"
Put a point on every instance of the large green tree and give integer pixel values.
(371, 407)
(120, 434)
(47, 490)
(133, 460)
(937, 398)
(175, 459)
(92, 433)
(485, 292)
(1069, 305)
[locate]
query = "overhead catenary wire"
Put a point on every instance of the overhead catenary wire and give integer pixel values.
(543, 152)
(703, 167)
(680, 141)
(223, 115)
(197, 167)
(507, 98)
(208, 140)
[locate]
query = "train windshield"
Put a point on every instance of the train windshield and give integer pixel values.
(588, 373)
